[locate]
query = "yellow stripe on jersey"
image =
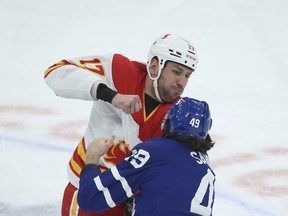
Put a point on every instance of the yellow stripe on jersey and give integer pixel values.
(144, 109)
(147, 117)
(74, 207)
(55, 66)
(78, 158)
(93, 65)
(81, 151)
(75, 166)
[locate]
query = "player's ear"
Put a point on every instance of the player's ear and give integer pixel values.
(154, 66)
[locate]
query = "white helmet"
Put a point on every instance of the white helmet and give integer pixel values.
(171, 47)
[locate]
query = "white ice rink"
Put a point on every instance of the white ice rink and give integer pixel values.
(242, 73)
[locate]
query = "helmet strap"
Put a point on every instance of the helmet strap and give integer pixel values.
(155, 85)
(155, 80)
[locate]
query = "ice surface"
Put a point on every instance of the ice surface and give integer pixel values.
(242, 73)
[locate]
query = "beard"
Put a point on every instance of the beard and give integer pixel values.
(171, 94)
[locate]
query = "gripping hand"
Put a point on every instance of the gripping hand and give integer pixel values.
(97, 148)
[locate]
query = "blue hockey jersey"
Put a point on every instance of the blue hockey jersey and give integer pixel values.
(171, 177)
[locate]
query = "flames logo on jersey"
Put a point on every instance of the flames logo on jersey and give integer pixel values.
(117, 152)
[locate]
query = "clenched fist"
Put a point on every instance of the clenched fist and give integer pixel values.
(97, 148)
(128, 103)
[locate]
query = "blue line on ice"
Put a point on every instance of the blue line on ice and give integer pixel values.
(48, 146)
(244, 205)
(36, 144)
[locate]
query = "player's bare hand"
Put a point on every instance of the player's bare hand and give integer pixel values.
(97, 148)
(128, 103)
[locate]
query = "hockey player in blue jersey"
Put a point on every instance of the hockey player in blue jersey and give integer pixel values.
(170, 175)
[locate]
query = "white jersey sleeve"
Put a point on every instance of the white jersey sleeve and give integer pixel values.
(74, 78)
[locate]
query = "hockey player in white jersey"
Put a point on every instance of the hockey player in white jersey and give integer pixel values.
(114, 83)
(168, 176)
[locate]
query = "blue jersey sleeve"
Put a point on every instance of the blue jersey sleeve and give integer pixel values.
(101, 191)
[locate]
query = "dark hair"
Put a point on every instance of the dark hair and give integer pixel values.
(198, 145)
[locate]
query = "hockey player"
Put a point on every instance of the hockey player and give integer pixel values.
(172, 172)
(119, 86)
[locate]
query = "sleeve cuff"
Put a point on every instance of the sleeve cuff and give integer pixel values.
(94, 88)
(89, 168)
(105, 93)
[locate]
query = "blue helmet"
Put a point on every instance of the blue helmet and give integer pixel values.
(189, 117)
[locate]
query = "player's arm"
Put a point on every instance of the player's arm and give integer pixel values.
(88, 79)
(74, 78)
(101, 191)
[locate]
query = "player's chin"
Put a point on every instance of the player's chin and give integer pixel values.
(172, 98)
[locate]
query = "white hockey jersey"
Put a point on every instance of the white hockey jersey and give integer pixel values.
(74, 79)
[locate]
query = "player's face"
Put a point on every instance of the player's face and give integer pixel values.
(172, 81)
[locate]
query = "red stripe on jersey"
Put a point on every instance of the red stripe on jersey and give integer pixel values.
(55, 66)
(77, 162)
